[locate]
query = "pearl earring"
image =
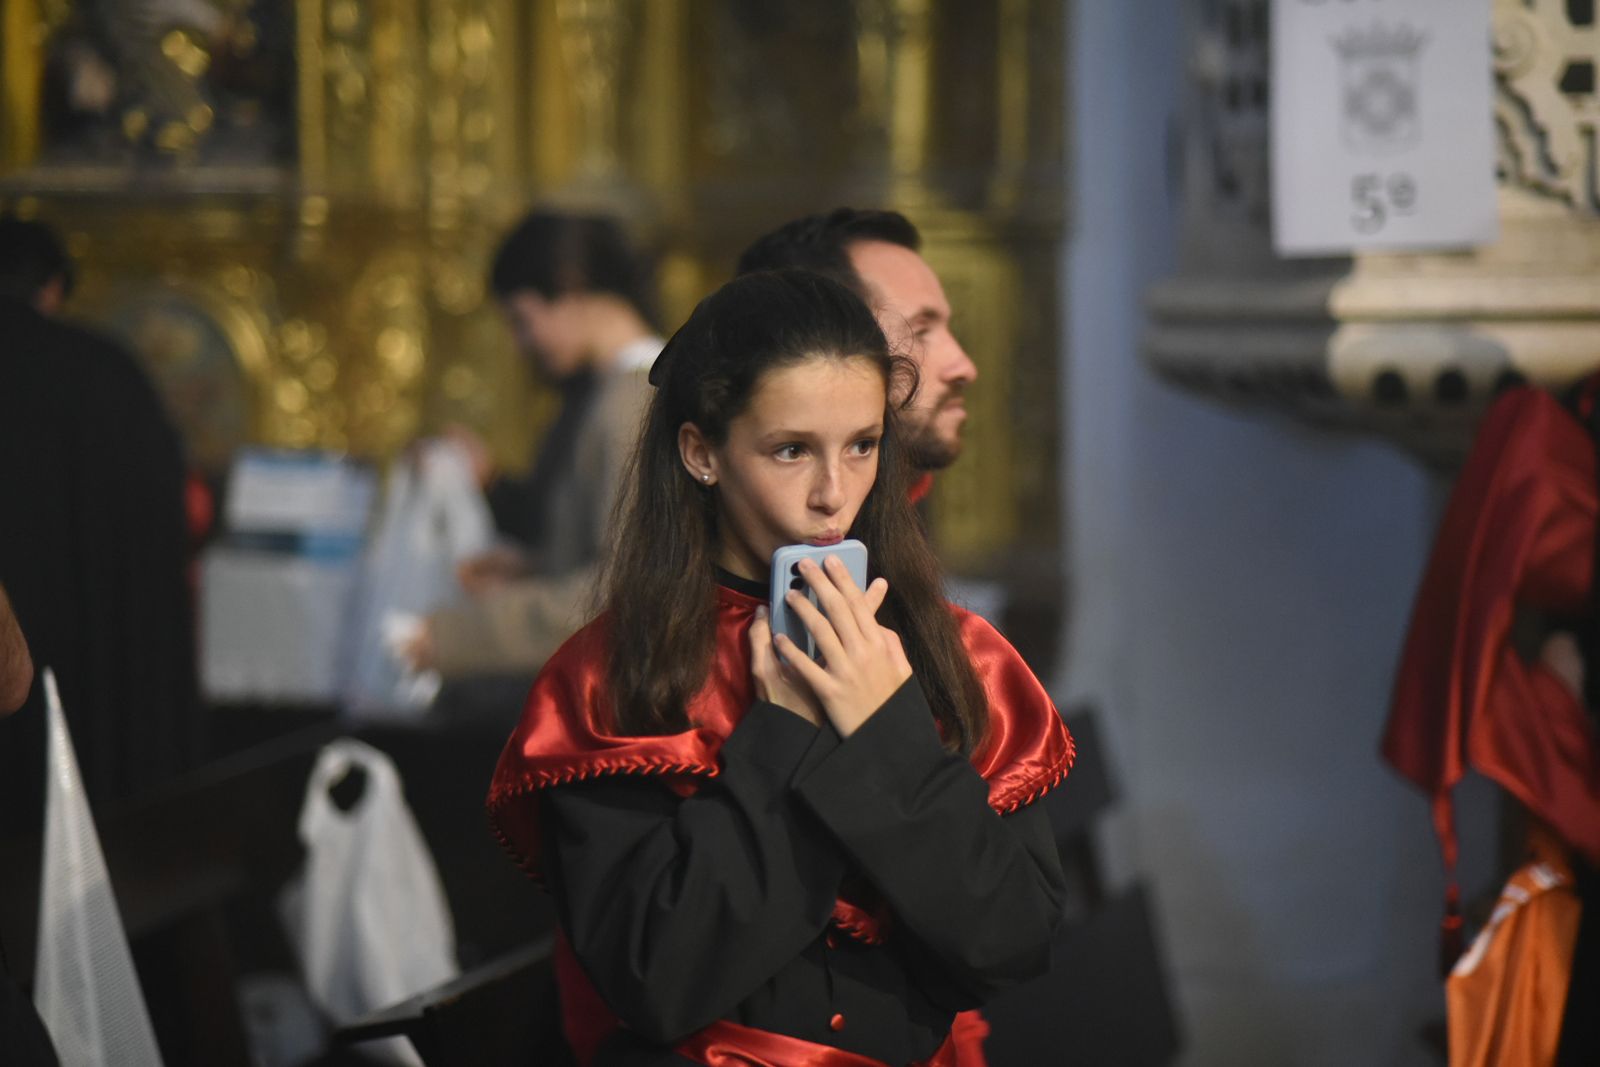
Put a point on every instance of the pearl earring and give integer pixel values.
(706, 478)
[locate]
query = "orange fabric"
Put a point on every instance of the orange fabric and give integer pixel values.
(1519, 529)
(1506, 996)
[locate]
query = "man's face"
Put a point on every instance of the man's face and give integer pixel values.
(912, 309)
(547, 333)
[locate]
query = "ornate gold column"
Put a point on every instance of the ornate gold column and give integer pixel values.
(595, 35)
(21, 52)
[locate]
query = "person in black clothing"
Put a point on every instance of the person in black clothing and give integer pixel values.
(752, 854)
(23, 1040)
(92, 546)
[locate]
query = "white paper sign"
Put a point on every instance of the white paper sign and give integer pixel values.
(1382, 125)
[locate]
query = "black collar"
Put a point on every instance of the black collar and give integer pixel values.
(729, 580)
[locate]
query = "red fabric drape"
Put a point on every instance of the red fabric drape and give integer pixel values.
(1519, 530)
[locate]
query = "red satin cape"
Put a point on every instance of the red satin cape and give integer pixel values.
(564, 735)
(1519, 530)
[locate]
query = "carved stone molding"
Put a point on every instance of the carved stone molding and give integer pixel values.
(1547, 108)
(1410, 346)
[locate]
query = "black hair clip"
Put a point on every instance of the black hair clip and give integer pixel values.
(658, 366)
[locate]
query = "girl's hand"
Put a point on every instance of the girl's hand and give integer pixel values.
(775, 683)
(863, 663)
(1561, 654)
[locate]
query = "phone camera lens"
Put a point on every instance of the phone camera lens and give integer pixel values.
(798, 584)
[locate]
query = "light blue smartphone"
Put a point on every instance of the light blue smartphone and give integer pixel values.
(786, 576)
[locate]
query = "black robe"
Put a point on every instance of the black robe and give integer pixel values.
(93, 555)
(685, 911)
(521, 505)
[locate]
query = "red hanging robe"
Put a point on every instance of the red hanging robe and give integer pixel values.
(1519, 530)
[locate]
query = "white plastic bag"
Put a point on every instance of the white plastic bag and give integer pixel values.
(434, 516)
(368, 916)
(85, 987)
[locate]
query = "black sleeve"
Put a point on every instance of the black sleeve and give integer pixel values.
(139, 679)
(512, 504)
(981, 895)
(680, 908)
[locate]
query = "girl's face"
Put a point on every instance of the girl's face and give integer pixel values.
(797, 462)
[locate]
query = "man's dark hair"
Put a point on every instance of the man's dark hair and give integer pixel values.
(821, 243)
(554, 254)
(31, 255)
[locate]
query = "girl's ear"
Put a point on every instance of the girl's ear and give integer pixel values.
(699, 458)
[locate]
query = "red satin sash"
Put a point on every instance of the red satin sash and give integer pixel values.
(725, 1044)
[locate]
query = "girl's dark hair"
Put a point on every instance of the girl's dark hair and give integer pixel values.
(659, 584)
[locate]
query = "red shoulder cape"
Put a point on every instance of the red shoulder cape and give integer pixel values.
(1519, 530)
(564, 734)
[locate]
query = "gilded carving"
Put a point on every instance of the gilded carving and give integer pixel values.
(337, 294)
(974, 521)
(768, 104)
(595, 40)
(206, 346)
(149, 85)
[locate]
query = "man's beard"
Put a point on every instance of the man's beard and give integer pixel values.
(927, 450)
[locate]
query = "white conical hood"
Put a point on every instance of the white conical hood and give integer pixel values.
(85, 987)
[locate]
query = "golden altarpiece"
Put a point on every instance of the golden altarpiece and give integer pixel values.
(288, 208)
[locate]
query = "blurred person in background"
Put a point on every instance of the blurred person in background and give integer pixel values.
(23, 1040)
(93, 544)
(575, 296)
(876, 254)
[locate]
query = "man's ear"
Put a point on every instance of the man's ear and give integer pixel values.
(698, 457)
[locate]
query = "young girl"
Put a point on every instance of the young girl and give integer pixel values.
(758, 858)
